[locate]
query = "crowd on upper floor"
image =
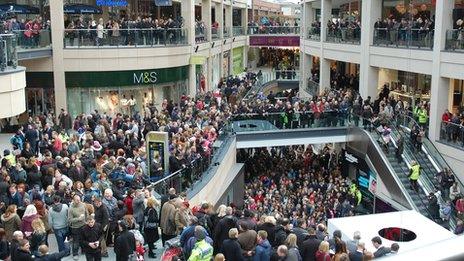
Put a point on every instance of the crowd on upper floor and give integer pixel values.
(28, 30)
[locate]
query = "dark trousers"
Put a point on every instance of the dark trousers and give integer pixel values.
(413, 184)
(76, 240)
(93, 256)
(165, 238)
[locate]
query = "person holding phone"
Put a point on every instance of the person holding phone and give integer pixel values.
(90, 239)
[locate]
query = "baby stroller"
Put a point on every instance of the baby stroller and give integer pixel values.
(172, 250)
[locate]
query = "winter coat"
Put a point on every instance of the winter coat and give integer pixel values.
(26, 224)
(167, 222)
(263, 251)
(10, 224)
(231, 249)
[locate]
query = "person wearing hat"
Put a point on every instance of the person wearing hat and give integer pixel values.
(202, 250)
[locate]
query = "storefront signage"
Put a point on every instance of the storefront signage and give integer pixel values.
(197, 59)
(111, 3)
(125, 78)
(163, 2)
(237, 60)
(145, 77)
(275, 41)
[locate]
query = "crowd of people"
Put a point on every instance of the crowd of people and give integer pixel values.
(124, 31)
(29, 31)
(79, 178)
(344, 30)
(271, 26)
(452, 127)
(416, 32)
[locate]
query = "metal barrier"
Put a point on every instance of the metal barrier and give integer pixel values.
(124, 37)
(406, 38)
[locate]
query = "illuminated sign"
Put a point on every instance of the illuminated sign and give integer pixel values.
(275, 41)
(158, 154)
(145, 77)
(111, 3)
(163, 2)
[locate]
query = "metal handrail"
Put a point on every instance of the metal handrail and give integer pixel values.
(404, 37)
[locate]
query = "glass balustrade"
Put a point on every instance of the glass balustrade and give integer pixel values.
(404, 38)
(77, 38)
(344, 35)
(452, 134)
(455, 40)
(238, 30)
(314, 33)
(33, 39)
(201, 35)
(215, 33)
(226, 32)
(8, 52)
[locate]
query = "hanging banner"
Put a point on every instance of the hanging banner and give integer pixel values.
(267, 40)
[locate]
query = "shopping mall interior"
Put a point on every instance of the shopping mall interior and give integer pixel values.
(231, 129)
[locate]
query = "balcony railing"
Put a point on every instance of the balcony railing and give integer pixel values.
(452, 134)
(77, 38)
(273, 30)
(226, 32)
(314, 33)
(404, 38)
(8, 54)
(33, 39)
(215, 33)
(201, 35)
(455, 40)
(238, 30)
(344, 35)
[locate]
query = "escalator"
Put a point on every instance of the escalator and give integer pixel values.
(401, 169)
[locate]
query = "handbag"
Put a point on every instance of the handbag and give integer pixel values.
(148, 224)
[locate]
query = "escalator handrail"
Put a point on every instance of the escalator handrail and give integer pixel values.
(428, 145)
(386, 162)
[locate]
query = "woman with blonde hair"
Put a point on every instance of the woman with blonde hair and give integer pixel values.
(38, 237)
(293, 252)
(26, 223)
(10, 222)
(150, 227)
(322, 254)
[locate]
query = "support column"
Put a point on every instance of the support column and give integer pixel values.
(192, 83)
(324, 78)
(209, 74)
(308, 18)
(228, 19)
(245, 56)
(188, 14)
(326, 15)
(206, 17)
(244, 18)
(219, 18)
(440, 85)
(57, 22)
(369, 76)
(304, 69)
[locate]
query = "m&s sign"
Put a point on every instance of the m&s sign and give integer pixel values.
(145, 77)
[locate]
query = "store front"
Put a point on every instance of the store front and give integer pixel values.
(40, 94)
(457, 100)
(201, 72)
(409, 87)
(124, 91)
(237, 60)
(408, 9)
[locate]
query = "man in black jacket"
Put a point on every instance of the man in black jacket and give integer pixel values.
(23, 252)
(90, 240)
(231, 248)
(300, 231)
(310, 246)
(102, 218)
(222, 229)
(124, 245)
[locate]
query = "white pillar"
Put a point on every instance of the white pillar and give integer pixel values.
(188, 14)
(57, 22)
(206, 17)
(244, 19)
(308, 18)
(326, 15)
(324, 78)
(219, 17)
(371, 11)
(304, 69)
(228, 19)
(245, 56)
(192, 83)
(209, 74)
(440, 85)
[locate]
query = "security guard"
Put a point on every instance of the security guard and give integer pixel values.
(423, 117)
(202, 251)
(414, 174)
